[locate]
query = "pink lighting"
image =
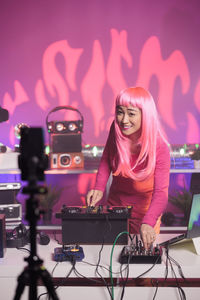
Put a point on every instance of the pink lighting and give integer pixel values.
(67, 57)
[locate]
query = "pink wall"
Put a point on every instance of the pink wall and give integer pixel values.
(82, 53)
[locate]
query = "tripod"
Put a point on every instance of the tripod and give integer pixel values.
(34, 271)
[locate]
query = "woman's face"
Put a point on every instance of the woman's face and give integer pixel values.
(129, 119)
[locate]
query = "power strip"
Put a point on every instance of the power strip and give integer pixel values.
(138, 255)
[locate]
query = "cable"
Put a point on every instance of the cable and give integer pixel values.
(54, 268)
(111, 256)
(180, 289)
(127, 274)
(166, 263)
(148, 269)
(62, 280)
(126, 269)
(124, 285)
(178, 265)
(103, 267)
(154, 296)
(99, 257)
(23, 249)
(55, 238)
(78, 274)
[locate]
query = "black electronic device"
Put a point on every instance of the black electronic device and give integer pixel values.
(32, 157)
(70, 253)
(94, 225)
(18, 237)
(8, 192)
(13, 212)
(67, 143)
(194, 183)
(4, 115)
(3, 148)
(137, 254)
(2, 235)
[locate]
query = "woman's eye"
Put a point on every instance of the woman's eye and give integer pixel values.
(119, 112)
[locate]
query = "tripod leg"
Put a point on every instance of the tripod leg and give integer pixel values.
(47, 280)
(33, 285)
(21, 284)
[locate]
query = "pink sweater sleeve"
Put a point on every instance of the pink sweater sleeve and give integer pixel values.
(104, 169)
(161, 184)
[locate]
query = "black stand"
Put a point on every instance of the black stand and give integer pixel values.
(35, 270)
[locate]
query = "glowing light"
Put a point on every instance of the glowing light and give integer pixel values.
(94, 151)
(72, 126)
(47, 150)
(18, 128)
(59, 127)
(182, 151)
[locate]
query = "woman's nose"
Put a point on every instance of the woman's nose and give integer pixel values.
(125, 118)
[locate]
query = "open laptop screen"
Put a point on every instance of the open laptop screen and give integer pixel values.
(193, 228)
(194, 220)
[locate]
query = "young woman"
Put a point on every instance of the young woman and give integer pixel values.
(138, 156)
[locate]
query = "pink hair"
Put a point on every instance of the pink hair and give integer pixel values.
(150, 130)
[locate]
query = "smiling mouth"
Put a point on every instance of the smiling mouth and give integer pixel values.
(125, 127)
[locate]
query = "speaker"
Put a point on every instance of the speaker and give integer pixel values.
(74, 126)
(195, 183)
(64, 143)
(66, 160)
(2, 235)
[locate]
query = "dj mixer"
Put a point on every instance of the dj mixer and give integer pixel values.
(137, 254)
(94, 225)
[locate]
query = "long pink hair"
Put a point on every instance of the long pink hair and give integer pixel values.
(150, 130)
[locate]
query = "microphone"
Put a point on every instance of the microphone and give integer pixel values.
(4, 115)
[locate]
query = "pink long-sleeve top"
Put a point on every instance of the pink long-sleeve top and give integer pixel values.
(148, 198)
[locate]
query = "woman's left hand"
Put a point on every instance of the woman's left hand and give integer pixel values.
(148, 235)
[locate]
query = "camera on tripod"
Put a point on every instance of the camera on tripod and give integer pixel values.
(32, 161)
(65, 141)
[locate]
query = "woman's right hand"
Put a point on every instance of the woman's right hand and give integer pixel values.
(93, 197)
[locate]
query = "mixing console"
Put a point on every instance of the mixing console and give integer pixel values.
(136, 254)
(100, 212)
(94, 225)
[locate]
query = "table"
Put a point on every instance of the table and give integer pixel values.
(87, 287)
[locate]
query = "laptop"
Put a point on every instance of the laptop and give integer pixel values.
(193, 228)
